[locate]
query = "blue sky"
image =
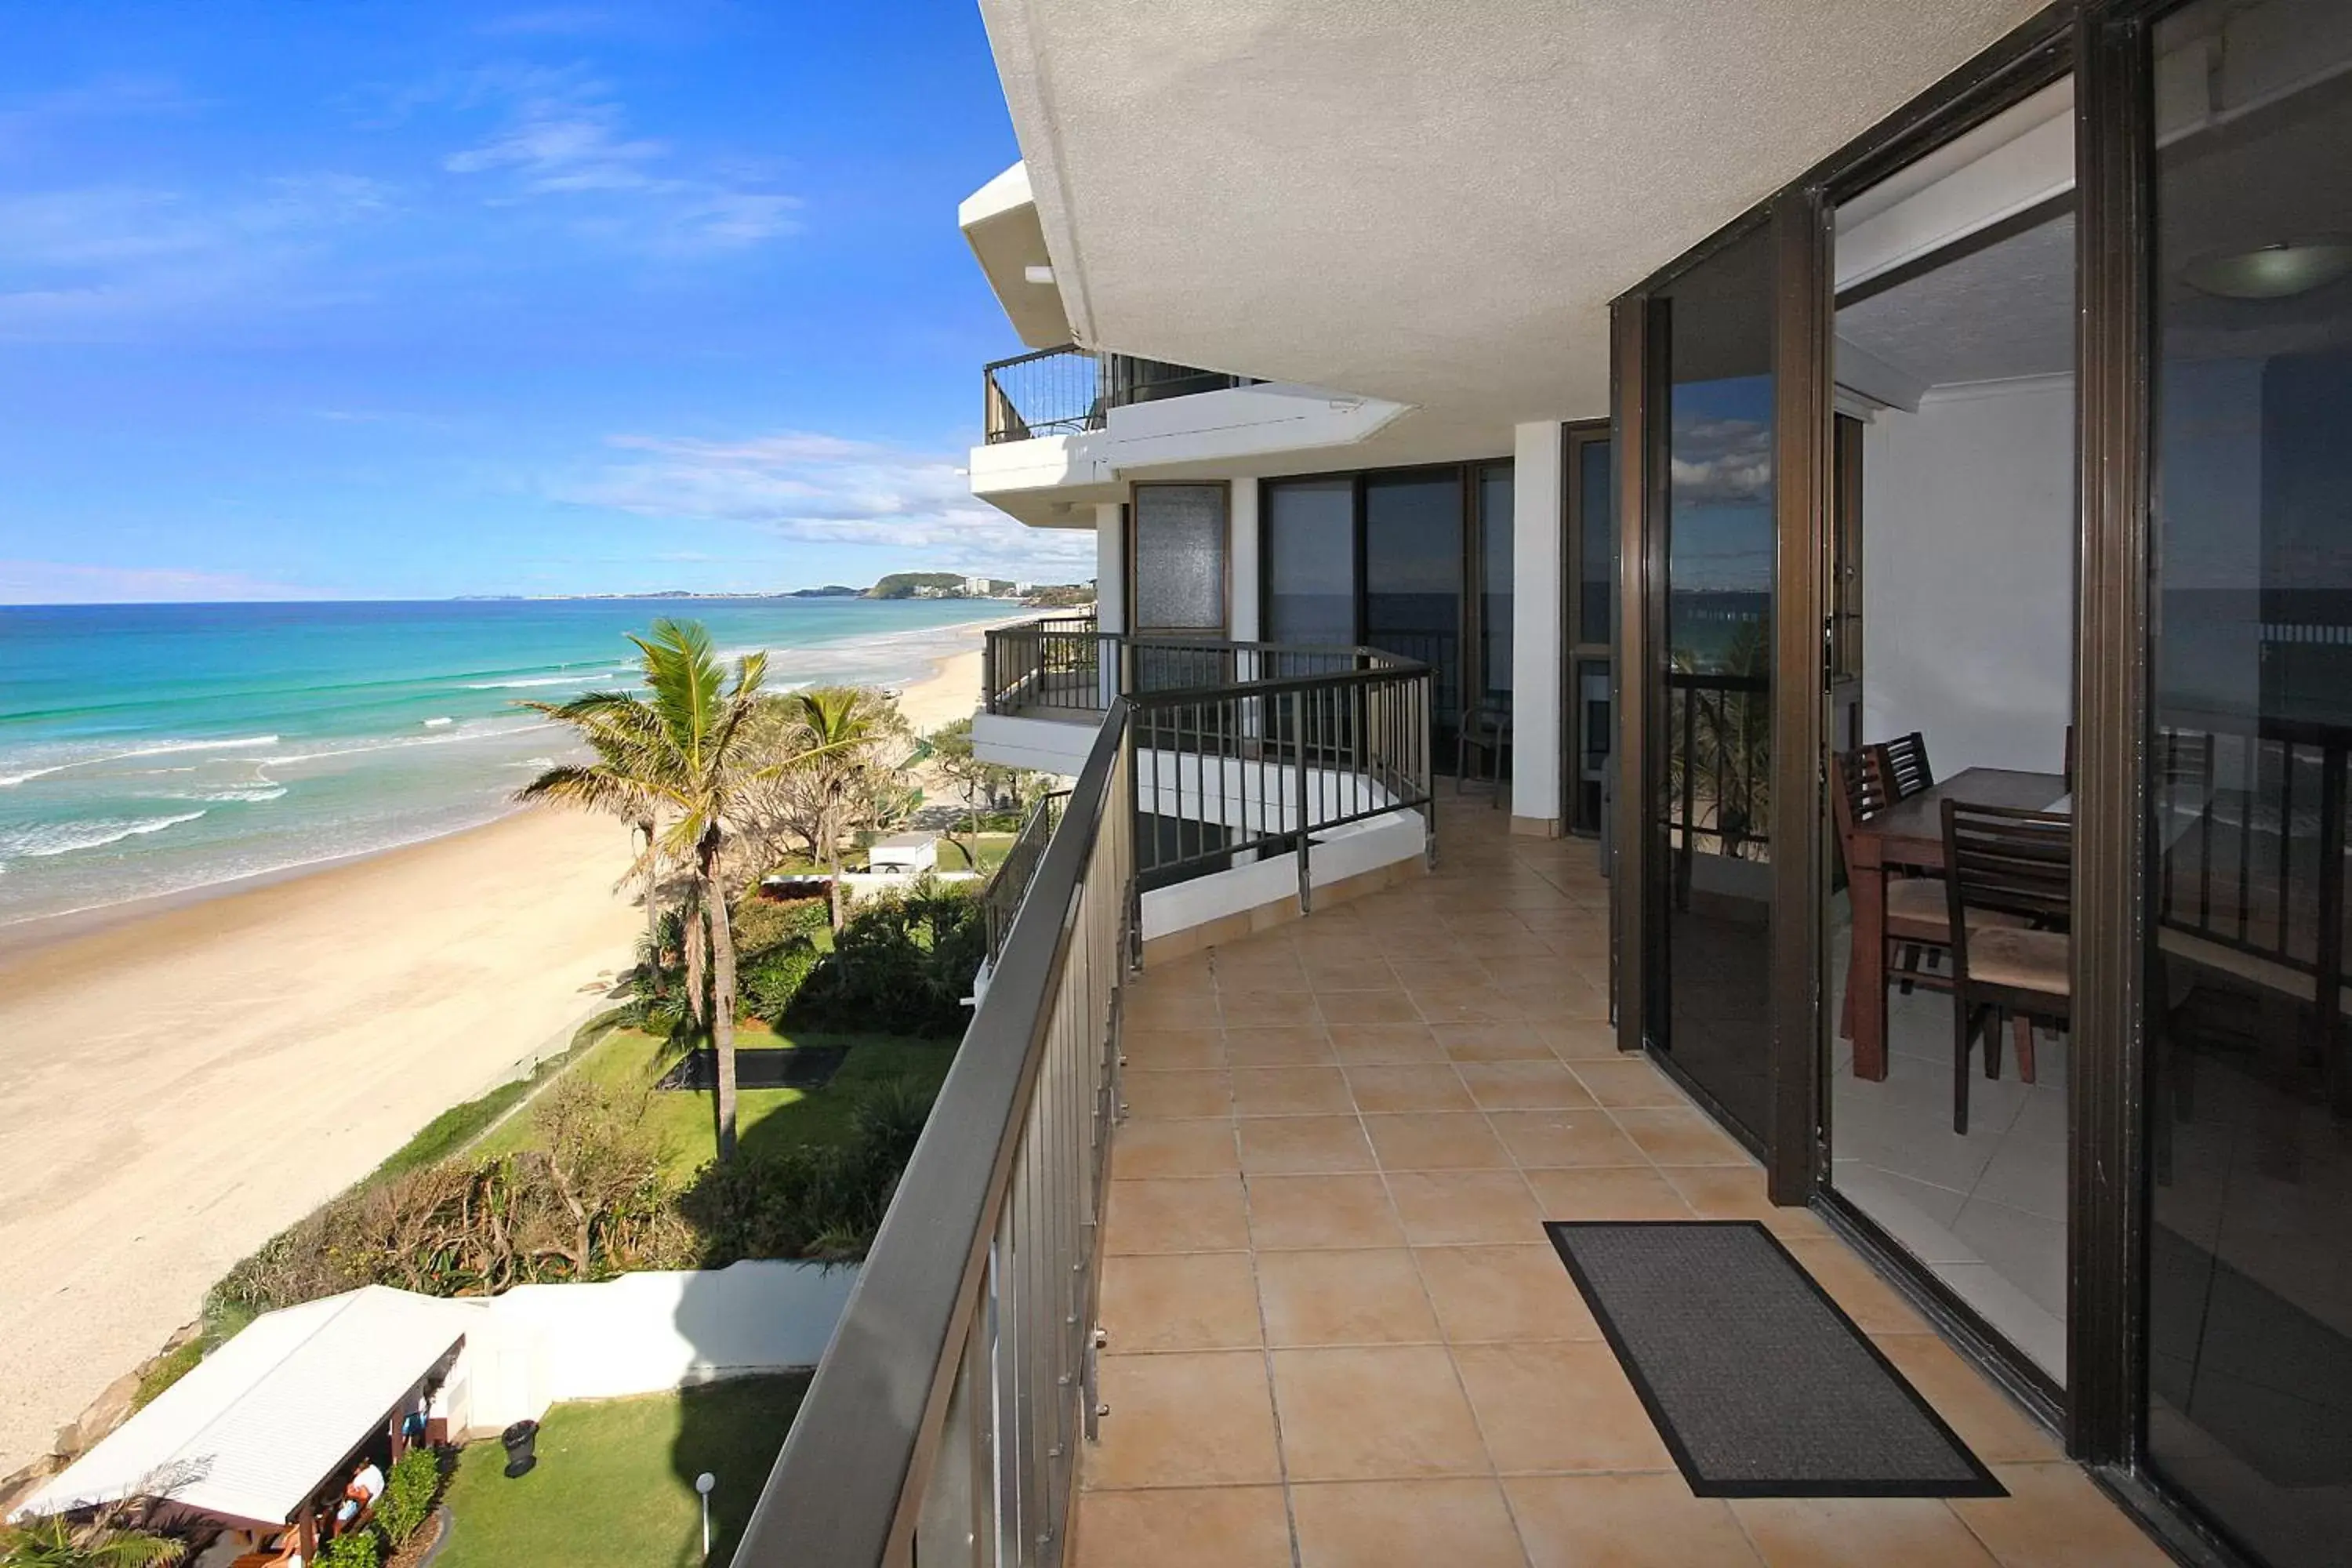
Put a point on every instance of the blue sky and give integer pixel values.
(324, 299)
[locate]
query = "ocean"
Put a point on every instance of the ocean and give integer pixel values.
(157, 749)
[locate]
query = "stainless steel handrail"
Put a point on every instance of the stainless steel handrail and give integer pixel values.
(944, 1422)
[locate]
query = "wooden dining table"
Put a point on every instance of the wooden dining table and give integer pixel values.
(1910, 834)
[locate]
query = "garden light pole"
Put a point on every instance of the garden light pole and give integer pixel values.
(703, 1483)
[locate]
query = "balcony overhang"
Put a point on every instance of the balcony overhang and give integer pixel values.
(1427, 201)
(1000, 223)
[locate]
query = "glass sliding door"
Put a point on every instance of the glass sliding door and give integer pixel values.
(1710, 811)
(1310, 560)
(1413, 571)
(1494, 586)
(1591, 557)
(2249, 1345)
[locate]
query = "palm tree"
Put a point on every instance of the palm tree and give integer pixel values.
(838, 726)
(680, 757)
(51, 1542)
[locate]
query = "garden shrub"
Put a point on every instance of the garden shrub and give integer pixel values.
(408, 1493)
(774, 978)
(820, 1202)
(760, 924)
(352, 1549)
(901, 965)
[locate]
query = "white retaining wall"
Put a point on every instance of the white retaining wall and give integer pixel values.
(642, 1333)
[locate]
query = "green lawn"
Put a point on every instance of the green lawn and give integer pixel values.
(615, 1479)
(765, 1118)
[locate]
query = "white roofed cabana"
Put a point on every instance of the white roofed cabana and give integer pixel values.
(264, 1423)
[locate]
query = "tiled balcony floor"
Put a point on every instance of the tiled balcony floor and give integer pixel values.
(1337, 1335)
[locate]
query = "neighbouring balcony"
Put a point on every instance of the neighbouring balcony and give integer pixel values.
(1298, 1179)
(1069, 390)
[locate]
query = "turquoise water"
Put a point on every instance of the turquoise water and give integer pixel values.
(161, 748)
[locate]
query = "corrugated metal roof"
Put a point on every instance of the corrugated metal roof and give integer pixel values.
(260, 1424)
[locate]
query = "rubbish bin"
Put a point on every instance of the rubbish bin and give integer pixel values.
(519, 1439)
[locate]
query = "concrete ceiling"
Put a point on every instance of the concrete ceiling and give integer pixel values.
(1424, 200)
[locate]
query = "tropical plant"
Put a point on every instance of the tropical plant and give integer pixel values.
(682, 756)
(843, 746)
(53, 1543)
(408, 1495)
(352, 1549)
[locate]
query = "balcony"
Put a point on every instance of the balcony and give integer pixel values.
(1069, 390)
(1298, 1181)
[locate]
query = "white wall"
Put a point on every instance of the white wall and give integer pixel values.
(1242, 547)
(642, 1333)
(1538, 525)
(1110, 569)
(1334, 857)
(1967, 560)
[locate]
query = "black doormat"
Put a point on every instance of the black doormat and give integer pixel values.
(1761, 1386)
(802, 1066)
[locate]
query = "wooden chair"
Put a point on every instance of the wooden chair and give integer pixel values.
(1905, 758)
(1485, 730)
(1917, 929)
(2009, 881)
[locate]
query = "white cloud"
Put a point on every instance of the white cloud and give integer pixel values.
(828, 489)
(564, 137)
(1719, 462)
(70, 583)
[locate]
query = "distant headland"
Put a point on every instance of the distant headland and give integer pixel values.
(897, 585)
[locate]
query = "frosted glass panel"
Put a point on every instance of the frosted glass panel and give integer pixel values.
(1179, 558)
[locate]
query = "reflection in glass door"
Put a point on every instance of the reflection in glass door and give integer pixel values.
(2249, 1060)
(1413, 580)
(1710, 829)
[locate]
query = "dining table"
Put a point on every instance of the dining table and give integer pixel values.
(1905, 837)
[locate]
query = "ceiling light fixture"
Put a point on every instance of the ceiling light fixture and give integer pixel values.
(2272, 272)
(1035, 274)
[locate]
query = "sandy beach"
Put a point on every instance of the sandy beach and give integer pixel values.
(179, 1086)
(182, 1079)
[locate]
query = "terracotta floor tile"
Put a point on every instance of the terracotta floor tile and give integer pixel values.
(1729, 1191)
(1265, 1006)
(1382, 1044)
(1367, 1007)
(1168, 1008)
(1523, 968)
(1200, 1148)
(1466, 1004)
(1504, 1042)
(2054, 1518)
(1628, 1081)
(1567, 1000)
(1374, 1412)
(1859, 1532)
(1391, 1524)
(1279, 1045)
(1356, 1298)
(1152, 1096)
(1188, 1214)
(1550, 1140)
(1179, 1526)
(1173, 1050)
(1181, 1301)
(1291, 1092)
(1304, 1145)
(1681, 1136)
(1868, 1300)
(1484, 1293)
(1353, 972)
(1194, 1419)
(1583, 1041)
(1603, 1192)
(1411, 1086)
(1288, 1212)
(1435, 1140)
(1624, 1522)
(1453, 1208)
(1995, 1428)
(1558, 1406)
(1523, 1084)
(1257, 969)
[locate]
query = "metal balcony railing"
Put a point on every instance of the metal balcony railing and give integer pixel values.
(1063, 391)
(945, 1423)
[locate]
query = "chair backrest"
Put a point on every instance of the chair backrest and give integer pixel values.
(1908, 772)
(2006, 861)
(1857, 792)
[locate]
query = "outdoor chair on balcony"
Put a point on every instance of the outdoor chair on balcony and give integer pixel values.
(2008, 878)
(1486, 733)
(1905, 758)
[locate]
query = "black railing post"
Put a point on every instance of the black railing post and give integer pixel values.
(2330, 956)
(1298, 768)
